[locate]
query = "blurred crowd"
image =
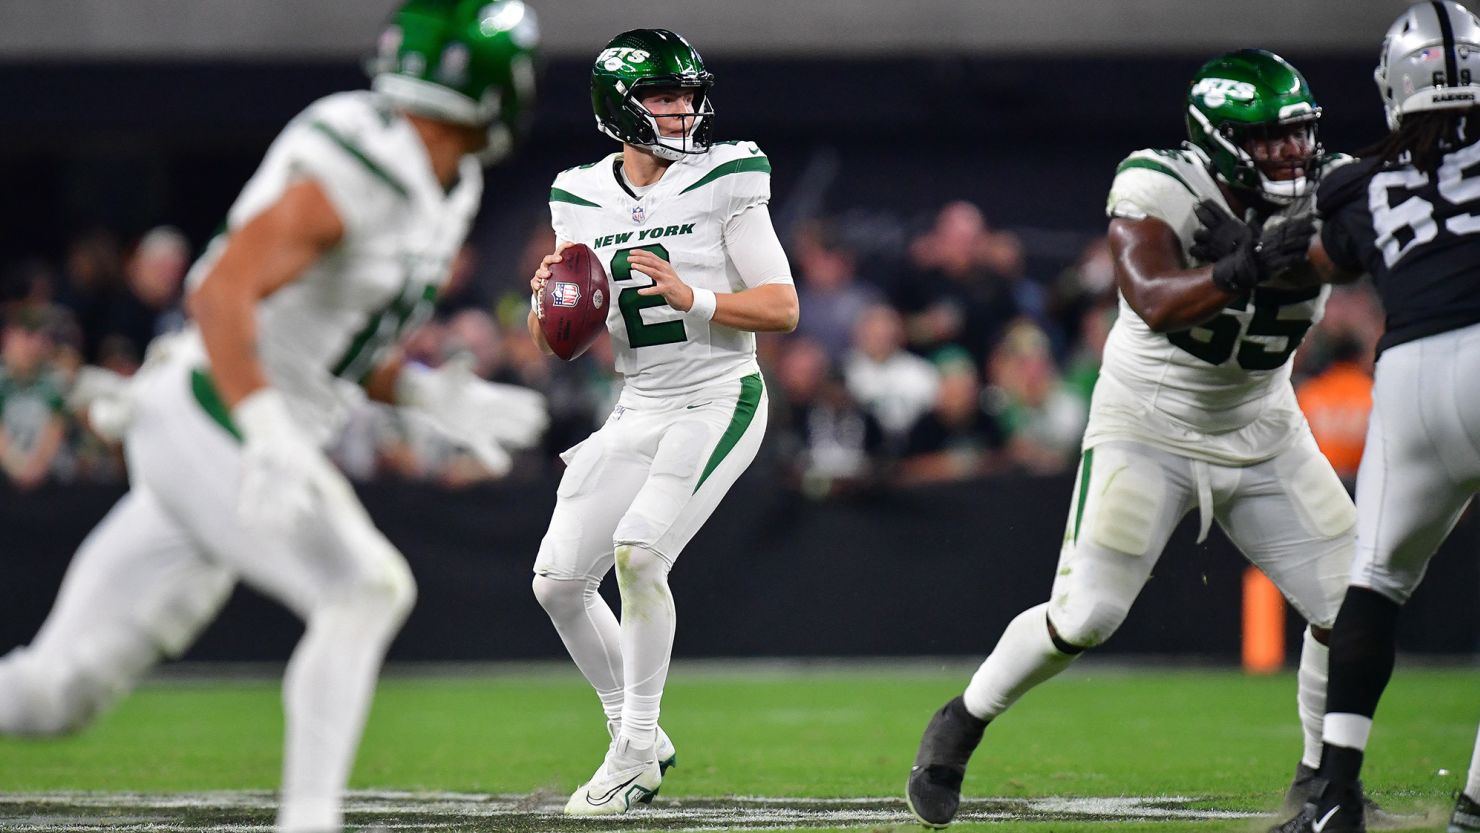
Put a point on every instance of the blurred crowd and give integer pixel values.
(942, 352)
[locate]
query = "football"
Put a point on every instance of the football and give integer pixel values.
(573, 302)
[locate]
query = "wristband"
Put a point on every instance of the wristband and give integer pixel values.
(704, 304)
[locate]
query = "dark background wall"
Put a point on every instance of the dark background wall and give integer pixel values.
(930, 571)
(1033, 140)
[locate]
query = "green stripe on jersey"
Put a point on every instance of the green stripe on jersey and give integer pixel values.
(1153, 165)
(750, 397)
(359, 155)
(559, 195)
(210, 401)
(759, 164)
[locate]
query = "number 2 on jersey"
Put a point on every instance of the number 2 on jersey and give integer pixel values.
(631, 304)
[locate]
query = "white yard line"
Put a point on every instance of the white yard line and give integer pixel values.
(79, 812)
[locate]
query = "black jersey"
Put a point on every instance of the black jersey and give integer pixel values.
(1417, 234)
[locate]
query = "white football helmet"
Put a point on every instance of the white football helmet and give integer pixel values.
(1430, 60)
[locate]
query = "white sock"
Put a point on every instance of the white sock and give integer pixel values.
(326, 696)
(648, 623)
(1472, 786)
(1349, 730)
(1024, 657)
(590, 632)
(1311, 696)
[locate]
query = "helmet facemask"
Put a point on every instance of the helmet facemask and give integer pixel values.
(697, 125)
(1234, 158)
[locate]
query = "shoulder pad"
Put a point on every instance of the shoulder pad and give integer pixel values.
(726, 158)
(1343, 184)
(576, 185)
(1172, 164)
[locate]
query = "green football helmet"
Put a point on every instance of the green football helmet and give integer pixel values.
(1251, 94)
(469, 62)
(642, 60)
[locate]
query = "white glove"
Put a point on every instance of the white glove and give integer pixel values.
(106, 397)
(484, 417)
(281, 468)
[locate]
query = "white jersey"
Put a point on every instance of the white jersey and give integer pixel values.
(1219, 391)
(682, 219)
(322, 334)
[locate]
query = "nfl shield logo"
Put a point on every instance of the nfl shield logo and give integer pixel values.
(565, 294)
(638, 214)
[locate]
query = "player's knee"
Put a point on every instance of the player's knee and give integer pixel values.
(562, 598)
(637, 565)
(1084, 626)
(386, 595)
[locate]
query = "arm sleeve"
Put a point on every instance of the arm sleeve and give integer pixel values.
(748, 179)
(752, 245)
(559, 223)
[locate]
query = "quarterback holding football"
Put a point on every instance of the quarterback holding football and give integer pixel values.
(682, 226)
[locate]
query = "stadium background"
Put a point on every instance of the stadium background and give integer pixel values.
(884, 518)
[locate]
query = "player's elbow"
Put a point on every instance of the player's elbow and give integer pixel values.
(1160, 315)
(788, 311)
(789, 319)
(1159, 320)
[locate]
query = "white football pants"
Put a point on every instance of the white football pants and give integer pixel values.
(651, 476)
(1289, 515)
(158, 568)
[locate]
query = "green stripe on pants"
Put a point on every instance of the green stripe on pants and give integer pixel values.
(210, 400)
(1084, 467)
(750, 398)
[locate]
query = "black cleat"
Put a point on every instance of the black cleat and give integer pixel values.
(934, 789)
(1466, 815)
(1331, 809)
(1302, 790)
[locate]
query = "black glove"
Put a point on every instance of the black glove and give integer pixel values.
(1285, 246)
(1244, 256)
(1221, 234)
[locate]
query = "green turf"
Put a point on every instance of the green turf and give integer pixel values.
(1230, 738)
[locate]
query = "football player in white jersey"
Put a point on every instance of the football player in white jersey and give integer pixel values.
(681, 224)
(1193, 410)
(336, 246)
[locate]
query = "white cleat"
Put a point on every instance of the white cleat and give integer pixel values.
(667, 753)
(629, 776)
(665, 750)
